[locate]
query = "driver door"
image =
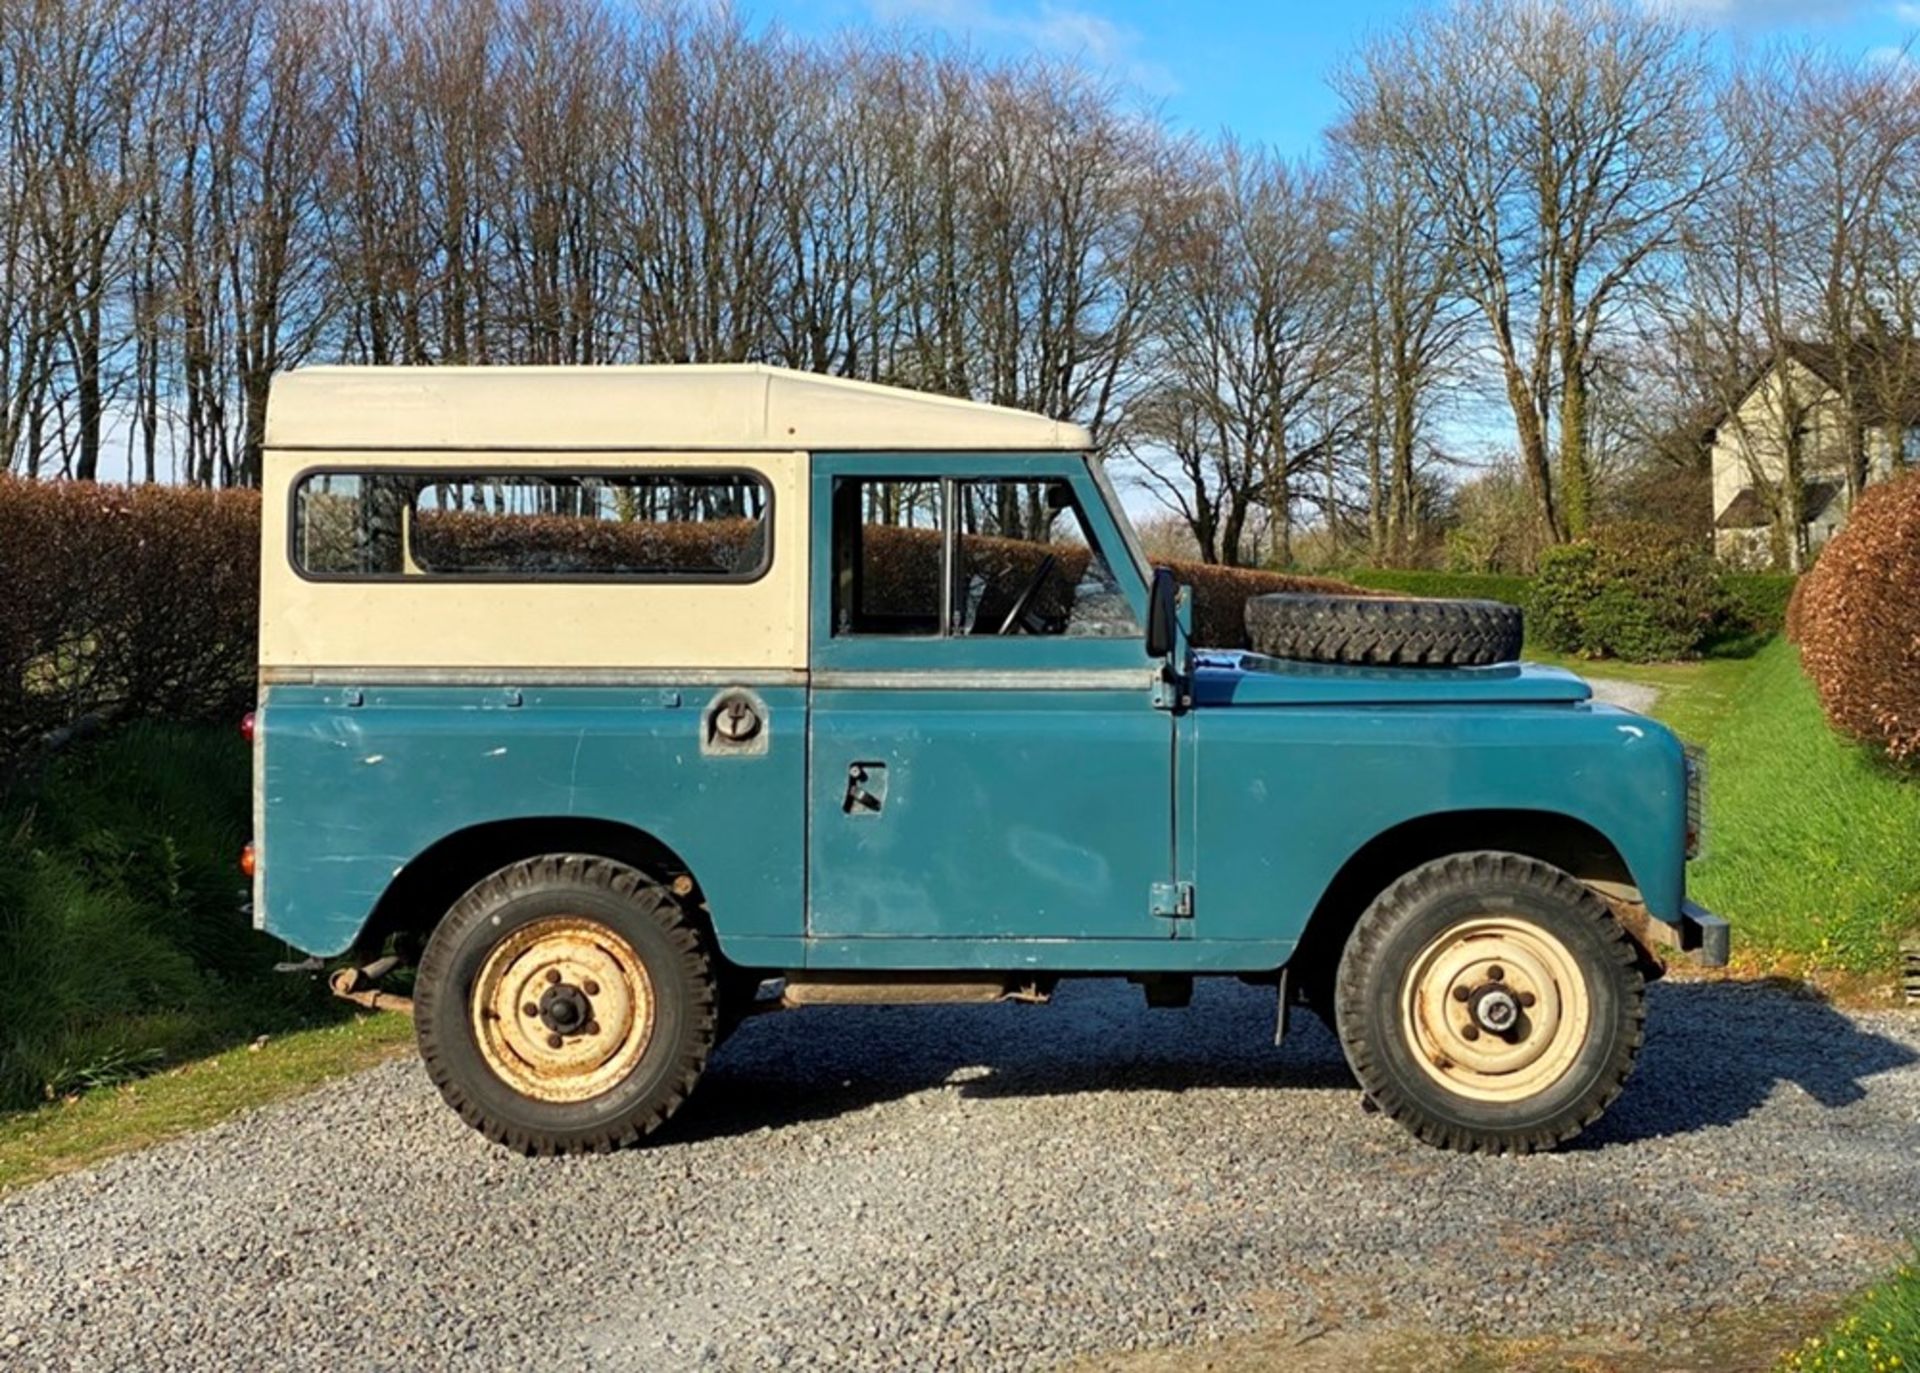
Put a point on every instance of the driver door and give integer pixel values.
(987, 759)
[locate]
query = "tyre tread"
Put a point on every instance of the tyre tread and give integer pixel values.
(651, 901)
(1384, 631)
(1364, 949)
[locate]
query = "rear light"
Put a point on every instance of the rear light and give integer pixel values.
(246, 727)
(246, 861)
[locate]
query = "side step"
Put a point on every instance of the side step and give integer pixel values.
(905, 989)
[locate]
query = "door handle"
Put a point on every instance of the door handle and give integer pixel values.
(866, 788)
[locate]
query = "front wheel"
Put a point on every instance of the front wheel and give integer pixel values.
(565, 1004)
(1490, 1002)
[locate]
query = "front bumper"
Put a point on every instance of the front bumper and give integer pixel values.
(1701, 935)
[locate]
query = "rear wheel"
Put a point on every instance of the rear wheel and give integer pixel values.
(1490, 1002)
(565, 1004)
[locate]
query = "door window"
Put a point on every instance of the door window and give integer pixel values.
(887, 554)
(1027, 564)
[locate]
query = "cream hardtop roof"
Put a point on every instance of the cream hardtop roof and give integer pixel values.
(733, 407)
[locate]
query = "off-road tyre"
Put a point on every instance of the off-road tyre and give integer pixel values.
(652, 925)
(1384, 631)
(1378, 969)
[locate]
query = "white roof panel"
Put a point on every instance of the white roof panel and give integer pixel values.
(742, 408)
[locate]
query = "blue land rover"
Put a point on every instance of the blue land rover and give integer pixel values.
(631, 702)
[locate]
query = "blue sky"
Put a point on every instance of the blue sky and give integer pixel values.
(1261, 69)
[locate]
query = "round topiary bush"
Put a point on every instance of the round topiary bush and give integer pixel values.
(1633, 591)
(1856, 618)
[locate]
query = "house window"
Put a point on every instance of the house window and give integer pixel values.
(1910, 446)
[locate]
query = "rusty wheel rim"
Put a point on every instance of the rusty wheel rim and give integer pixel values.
(1495, 1009)
(562, 1009)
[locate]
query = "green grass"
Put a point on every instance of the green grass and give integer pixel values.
(1694, 697)
(123, 946)
(1880, 1332)
(73, 1133)
(1812, 845)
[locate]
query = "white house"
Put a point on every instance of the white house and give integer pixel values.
(1799, 395)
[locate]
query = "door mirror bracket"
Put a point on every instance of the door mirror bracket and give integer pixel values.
(1162, 614)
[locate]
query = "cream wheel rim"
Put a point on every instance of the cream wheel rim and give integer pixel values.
(563, 1009)
(1496, 1009)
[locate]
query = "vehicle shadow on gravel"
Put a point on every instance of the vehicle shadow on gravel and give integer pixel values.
(1715, 1052)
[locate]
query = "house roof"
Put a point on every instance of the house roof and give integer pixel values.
(737, 407)
(1747, 511)
(1886, 376)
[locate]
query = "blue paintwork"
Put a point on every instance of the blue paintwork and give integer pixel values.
(355, 793)
(1036, 814)
(1025, 822)
(1248, 679)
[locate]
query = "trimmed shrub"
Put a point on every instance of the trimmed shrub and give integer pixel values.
(1220, 597)
(139, 601)
(1856, 617)
(1464, 586)
(1633, 591)
(1757, 601)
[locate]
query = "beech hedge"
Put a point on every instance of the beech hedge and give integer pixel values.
(1856, 619)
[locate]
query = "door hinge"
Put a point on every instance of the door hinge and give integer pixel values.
(1173, 900)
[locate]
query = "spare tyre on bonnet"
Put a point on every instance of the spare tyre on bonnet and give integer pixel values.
(1385, 631)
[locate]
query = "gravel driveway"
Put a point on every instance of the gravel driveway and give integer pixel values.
(984, 1187)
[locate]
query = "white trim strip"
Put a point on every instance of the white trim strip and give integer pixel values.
(1008, 679)
(531, 677)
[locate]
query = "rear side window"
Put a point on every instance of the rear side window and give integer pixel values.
(640, 526)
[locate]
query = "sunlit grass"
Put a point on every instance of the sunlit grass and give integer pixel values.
(1880, 1332)
(72, 1133)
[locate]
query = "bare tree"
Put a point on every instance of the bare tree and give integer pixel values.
(1561, 147)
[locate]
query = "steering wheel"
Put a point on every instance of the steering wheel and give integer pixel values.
(1017, 615)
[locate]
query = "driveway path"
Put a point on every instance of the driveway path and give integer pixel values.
(984, 1187)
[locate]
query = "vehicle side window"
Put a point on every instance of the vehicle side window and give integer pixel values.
(1023, 562)
(652, 526)
(1027, 563)
(887, 554)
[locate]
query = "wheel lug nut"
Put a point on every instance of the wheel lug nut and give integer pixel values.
(554, 1041)
(553, 974)
(529, 1009)
(593, 1027)
(1496, 973)
(1470, 1032)
(1461, 993)
(1526, 998)
(590, 987)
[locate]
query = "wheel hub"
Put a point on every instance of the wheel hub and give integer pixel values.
(1495, 1008)
(563, 1009)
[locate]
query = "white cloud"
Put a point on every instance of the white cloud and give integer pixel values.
(1049, 28)
(1762, 14)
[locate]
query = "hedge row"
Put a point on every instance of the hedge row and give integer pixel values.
(144, 602)
(1856, 618)
(123, 602)
(1468, 586)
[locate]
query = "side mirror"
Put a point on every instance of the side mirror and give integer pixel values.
(1161, 619)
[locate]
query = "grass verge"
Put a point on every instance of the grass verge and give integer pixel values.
(1879, 1333)
(84, 1129)
(1812, 846)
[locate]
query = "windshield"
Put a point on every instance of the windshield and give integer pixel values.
(1128, 534)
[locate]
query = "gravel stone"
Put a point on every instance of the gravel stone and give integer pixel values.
(983, 1187)
(1635, 696)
